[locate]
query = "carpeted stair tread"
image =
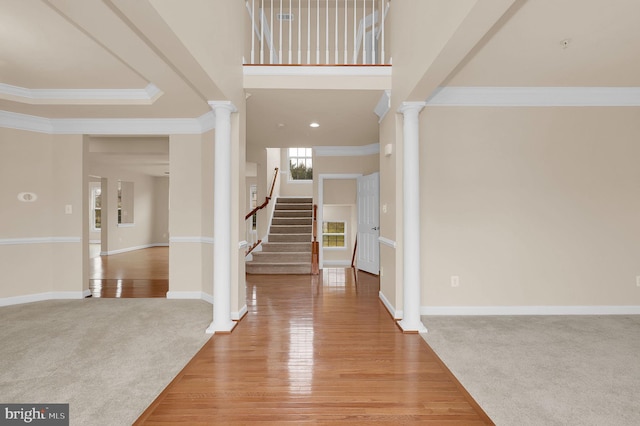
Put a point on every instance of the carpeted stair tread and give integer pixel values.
(288, 250)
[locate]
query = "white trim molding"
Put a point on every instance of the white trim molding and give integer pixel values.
(190, 295)
(529, 310)
(237, 316)
(535, 96)
(196, 239)
(108, 126)
(352, 70)
(346, 151)
(39, 297)
(127, 249)
(387, 242)
(145, 96)
(383, 106)
(337, 263)
(38, 240)
(396, 314)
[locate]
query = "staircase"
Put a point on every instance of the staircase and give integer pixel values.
(289, 248)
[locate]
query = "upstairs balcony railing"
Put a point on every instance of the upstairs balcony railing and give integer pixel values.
(316, 32)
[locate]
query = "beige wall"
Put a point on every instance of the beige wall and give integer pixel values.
(530, 206)
(40, 245)
(149, 214)
(191, 214)
(160, 214)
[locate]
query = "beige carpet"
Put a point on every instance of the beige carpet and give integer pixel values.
(107, 358)
(545, 370)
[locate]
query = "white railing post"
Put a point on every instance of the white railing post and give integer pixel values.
(355, 24)
(382, 19)
(373, 32)
(262, 33)
(299, 37)
(318, 32)
(308, 31)
(290, 24)
(263, 39)
(345, 33)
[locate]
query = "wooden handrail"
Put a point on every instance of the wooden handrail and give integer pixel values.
(315, 246)
(266, 200)
(353, 257)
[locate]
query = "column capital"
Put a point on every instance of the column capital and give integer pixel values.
(411, 106)
(228, 105)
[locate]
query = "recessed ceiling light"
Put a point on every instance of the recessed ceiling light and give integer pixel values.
(314, 124)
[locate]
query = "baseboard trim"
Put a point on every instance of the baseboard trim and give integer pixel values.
(394, 313)
(529, 310)
(190, 295)
(125, 250)
(338, 263)
(237, 316)
(40, 297)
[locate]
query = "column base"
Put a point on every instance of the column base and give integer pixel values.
(220, 328)
(414, 327)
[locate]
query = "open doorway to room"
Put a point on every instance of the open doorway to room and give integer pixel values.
(348, 221)
(128, 199)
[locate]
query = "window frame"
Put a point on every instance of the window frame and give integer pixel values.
(343, 234)
(94, 189)
(305, 158)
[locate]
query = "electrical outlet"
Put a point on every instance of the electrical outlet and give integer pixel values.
(381, 271)
(68, 209)
(455, 281)
(637, 280)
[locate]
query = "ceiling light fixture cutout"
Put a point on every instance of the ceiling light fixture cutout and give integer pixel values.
(314, 125)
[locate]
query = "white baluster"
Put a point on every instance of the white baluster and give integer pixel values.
(318, 32)
(253, 26)
(299, 20)
(373, 31)
(262, 33)
(336, 34)
(355, 24)
(290, 24)
(345, 34)
(308, 31)
(280, 41)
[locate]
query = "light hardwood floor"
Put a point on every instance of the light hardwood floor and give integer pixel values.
(315, 349)
(138, 273)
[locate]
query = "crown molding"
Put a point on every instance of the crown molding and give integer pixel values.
(145, 96)
(535, 96)
(108, 126)
(383, 106)
(346, 151)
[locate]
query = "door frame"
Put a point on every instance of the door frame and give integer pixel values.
(321, 179)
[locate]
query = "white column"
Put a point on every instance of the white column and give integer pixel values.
(222, 219)
(411, 217)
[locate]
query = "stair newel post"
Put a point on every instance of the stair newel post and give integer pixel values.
(315, 249)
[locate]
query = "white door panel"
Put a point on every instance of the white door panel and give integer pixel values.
(369, 223)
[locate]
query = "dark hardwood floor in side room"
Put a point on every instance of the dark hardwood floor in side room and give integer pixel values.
(138, 273)
(315, 349)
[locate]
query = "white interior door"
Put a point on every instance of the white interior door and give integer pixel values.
(369, 223)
